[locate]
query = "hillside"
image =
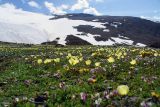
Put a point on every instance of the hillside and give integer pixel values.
(77, 29)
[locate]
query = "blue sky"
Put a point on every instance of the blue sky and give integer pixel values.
(145, 8)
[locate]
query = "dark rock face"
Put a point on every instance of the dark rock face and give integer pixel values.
(54, 42)
(70, 40)
(73, 40)
(136, 29)
(155, 45)
(50, 43)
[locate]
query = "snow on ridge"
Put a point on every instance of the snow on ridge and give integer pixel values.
(122, 41)
(95, 20)
(90, 38)
(122, 36)
(111, 41)
(119, 23)
(114, 25)
(41, 24)
(27, 27)
(68, 27)
(106, 30)
(140, 45)
(106, 23)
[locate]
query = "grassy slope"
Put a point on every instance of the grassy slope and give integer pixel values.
(21, 75)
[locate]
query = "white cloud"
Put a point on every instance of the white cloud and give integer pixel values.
(99, 0)
(63, 7)
(33, 4)
(91, 10)
(85, 6)
(8, 6)
(56, 10)
(81, 4)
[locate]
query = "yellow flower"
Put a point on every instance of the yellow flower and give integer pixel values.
(132, 67)
(91, 80)
(97, 64)
(145, 54)
(154, 94)
(94, 80)
(73, 61)
(39, 61)
(26, 58)
(155, 54)
(125, 54)
(56, 60)
(122, 57)
(80, 54)
(119, 55)
(81, 59)
(69, 55)
(123, 89)
(66, 67)
(47, 61)
(88, 62)
(133, 62)
(61, 54)
(81, 71)
(93, 54)
(110, 59)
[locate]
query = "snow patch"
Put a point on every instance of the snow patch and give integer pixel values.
(106, 23)
(106, 30)
(114, 25)
(96, 20)
(90, 38)
(119, 23)
(123, 36)
(68, 27)
(140, 45)
(122, 41)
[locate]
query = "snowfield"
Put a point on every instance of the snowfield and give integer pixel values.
(21, 33)
(20, 26)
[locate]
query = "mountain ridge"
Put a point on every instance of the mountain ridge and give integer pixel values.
(35, 28)
(130, 27)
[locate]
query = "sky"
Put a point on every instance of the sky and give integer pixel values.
(140, 8)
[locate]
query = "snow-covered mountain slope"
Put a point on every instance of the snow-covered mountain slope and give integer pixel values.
(20, 33)
(20, 26)
(26, 27)
(117, 30)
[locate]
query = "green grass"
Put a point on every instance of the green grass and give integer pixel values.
(60, 84)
